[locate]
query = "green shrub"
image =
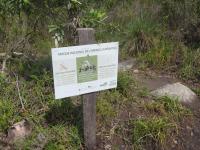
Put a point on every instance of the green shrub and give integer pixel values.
(143, 24)
(93, 18)
(178, 13)
(139, 35)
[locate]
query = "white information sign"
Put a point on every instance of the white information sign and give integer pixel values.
(84, 69)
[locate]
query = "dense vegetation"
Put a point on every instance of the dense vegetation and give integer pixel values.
(163, 35)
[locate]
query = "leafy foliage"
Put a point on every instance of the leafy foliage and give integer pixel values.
(93, 18)
(12, 7)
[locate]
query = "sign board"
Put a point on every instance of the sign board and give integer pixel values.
(84, 69)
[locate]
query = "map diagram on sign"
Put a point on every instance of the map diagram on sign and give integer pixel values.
(86, 69)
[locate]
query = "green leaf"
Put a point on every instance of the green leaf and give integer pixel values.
(26, 1)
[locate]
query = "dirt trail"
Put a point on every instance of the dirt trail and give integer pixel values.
(189, 134)
(153, 81)
(188, 137)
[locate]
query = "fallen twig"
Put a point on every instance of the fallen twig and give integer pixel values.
(17, 54)
(20, 97)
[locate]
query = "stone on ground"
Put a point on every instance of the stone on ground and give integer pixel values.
(127, 65)
(136, 71)
(19, 131)
(176, 90)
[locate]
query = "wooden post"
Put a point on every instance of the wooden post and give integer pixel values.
(86, 36)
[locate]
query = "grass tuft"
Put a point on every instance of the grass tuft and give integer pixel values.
(107, 104)
(6, 113)
(168, 106)
(197, 91)
(126, 83)
(153, 130)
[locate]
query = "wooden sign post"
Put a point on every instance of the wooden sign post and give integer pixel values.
(86, 36)
(82, 69)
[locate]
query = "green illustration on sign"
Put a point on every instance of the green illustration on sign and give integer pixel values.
(86, 68)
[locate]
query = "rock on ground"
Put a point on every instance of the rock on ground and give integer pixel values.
(176, 90)
(19, 131)
(127, 65)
